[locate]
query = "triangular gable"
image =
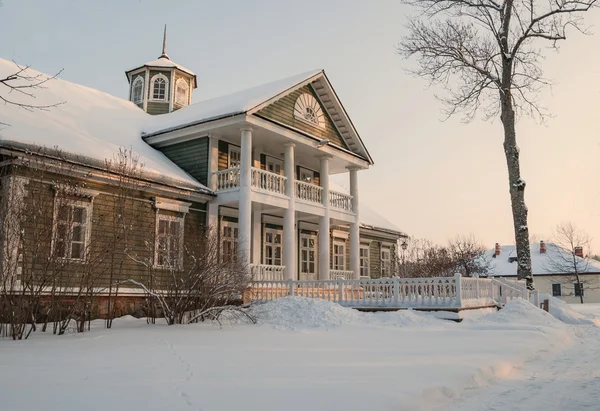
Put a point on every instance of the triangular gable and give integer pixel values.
(338, 128)
(282, 111)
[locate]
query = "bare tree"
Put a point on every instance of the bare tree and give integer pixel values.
(486, 55)
(18, 89)
(468, 254)
(566, 256)
(196, 284)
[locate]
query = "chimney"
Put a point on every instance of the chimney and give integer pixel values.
(542, 247)
(579, 252)
(498, 249)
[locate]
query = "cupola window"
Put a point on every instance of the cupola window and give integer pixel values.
(137, 90)
(159, 87)
(181, 92)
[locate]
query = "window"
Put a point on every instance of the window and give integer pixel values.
(229, 241)
(578, 289)
(73, 226)
(308, 176)
(272, 247)
(274, 165)
(159, 87)
(181, 92)
(235, 156)
(169, 241)
(364, 261)
(386, 262)
(308, 109)
(556, 290)
(137, 89)
(339, 255)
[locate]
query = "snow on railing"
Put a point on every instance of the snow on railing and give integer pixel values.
(504, 291)
(227, 179)
(308, 192)
(434, 292)
(341, 274)
(340, 200)
(264, 272)
(268, 181)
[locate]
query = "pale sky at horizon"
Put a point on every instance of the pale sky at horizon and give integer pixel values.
(431, 178)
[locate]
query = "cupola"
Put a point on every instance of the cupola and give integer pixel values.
(161, 86)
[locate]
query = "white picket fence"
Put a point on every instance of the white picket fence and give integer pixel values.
(437, 292)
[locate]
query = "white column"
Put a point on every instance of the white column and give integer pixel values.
(355, 226)
(212, 219)
(289, 216)
(324, 222)
(256, 236)
(245, 204)
(213, 162)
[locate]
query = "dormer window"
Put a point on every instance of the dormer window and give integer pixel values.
(160, 85)
(308, 109)
(137, 89)
(182, 92)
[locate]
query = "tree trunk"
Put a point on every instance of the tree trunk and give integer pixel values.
(517, 189)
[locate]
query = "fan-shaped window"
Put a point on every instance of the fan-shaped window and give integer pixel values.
(181, 92)
(160, 86)
(137, 89)
(308, 109)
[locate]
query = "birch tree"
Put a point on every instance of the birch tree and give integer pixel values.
(486, 55)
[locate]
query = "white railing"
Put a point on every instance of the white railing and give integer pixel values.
(436, 292)
(504, 291)
(309, 192)
(268, 181)
(340, 200)
(264, 272)
(341, 274)
(227, 179)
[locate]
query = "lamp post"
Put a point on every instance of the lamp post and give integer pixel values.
(404, 246)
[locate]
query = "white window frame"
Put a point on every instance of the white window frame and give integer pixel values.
(138, 79)
(307, 100)
(88, 206)
(162, 217)
(233, 148)
(274, 232)
(361, 258)
(187, 92)
(386, 264)
(232, 225)
(274, 161)
(552, 289)
(307, 172)
(152, 80)
(339, 243)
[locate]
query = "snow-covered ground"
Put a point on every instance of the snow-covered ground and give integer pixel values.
(567, 380)
(304, 354)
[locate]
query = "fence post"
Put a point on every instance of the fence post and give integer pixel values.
(396, 290)
(492, 290)
(477, 293)
(457, 280)
(536, 298)
(340, 290)
(291, 285)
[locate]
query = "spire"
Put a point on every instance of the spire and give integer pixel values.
(164, 49)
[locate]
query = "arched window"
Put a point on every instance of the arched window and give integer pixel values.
(137, 89)
(181, 92)
(308, 109)
(160, 87)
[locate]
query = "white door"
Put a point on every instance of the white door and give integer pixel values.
(308, 257)
(272, 247)
(274, 165)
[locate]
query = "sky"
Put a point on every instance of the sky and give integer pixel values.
(432, 178)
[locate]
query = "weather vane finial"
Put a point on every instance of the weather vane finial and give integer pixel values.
(164, 49)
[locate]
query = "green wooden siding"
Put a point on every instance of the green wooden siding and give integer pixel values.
(191, 156)
(282, 111)
(155, 107)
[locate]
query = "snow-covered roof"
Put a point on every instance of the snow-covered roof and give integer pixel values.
(505, 264)
(225, 106)
(88, 123)
(165, 62)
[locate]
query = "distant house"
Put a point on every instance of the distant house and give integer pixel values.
(553, 270)
(254, 165)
